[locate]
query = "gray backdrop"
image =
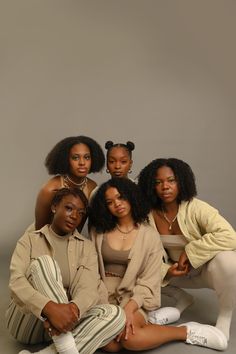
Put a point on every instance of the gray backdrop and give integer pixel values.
(158, 72)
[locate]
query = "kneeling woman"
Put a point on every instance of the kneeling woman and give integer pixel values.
(130, 256)
(54, 283)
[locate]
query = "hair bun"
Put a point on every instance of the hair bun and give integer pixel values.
(109, 144)
(130, 145)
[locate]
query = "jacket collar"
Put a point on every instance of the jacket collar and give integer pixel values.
(46, 233)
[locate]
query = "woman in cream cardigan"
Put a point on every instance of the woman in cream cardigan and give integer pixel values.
(200, 243)
(130, 256)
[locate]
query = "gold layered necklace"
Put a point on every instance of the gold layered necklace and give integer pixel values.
(79, 185)
(170, 222)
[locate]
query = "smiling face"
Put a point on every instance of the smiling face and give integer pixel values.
(80, 160)
(117, 205)
(119, 162)
(166, 185)
(68, 214)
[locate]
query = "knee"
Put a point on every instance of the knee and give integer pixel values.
(113, 347)
(42, 262)
(222, 271)
(224, 263)
(133, 342)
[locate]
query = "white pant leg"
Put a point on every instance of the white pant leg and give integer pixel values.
(218, 274)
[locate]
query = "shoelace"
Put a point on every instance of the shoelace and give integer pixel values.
(195, 339)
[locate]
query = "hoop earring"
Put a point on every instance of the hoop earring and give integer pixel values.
(130, 171)
(107, 171)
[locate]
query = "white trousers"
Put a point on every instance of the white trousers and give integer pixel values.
(218, 274)
(97, 327)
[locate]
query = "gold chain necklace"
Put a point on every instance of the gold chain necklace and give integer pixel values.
(80, 185)
(125, 232)
(170, 222)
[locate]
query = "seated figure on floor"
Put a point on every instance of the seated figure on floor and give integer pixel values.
(54, 283)
(130, 257)
(200, 244)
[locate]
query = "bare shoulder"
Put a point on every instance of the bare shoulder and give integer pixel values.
(51, 186)
(91, 185)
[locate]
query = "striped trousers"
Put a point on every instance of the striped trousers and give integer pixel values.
(97, 327)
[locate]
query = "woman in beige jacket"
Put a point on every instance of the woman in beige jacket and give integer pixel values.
(130, 256)
(54, 284)
(200, 243)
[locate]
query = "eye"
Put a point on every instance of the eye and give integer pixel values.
(124, 162)
(68, 208)
(158, 182)
(81, 213)
(172, 180)
(74, 157)
(87, 157)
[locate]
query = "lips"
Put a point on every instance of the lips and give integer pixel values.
(70, 225)
(82, 171)
(120, 210)
(166, 196)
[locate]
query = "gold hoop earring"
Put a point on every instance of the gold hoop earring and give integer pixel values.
(107, 171)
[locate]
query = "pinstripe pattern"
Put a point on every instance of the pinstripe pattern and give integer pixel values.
(46, 278)
(97, 327)
(26, 328)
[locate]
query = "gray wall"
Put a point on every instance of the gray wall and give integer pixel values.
(160, 73)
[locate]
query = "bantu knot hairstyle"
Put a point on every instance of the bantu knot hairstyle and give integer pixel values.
(129, 146)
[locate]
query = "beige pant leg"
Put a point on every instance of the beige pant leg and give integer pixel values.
(218, 274)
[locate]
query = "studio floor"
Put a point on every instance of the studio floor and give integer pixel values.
(203, 310)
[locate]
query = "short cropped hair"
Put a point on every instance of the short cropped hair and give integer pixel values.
(183, 174)
(75, 192)
(101, 219)
(57, 160)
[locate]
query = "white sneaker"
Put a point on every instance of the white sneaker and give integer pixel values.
(25, 352)
(205, 336)
(164, 315)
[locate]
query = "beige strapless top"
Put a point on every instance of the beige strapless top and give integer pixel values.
(174, 245)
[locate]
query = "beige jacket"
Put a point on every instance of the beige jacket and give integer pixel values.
(142, 279)
(205, 230)
(83, 265)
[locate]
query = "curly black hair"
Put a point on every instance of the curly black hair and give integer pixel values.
(57, 160)
(183, 174)
(129, 146)
(101, 219)
(64, 192)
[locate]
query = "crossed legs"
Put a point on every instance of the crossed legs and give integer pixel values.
(96, 328)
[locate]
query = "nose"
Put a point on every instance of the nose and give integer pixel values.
(81, 161)
(165, 185)
(117, 165)
(74, 214)
(117, 202)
